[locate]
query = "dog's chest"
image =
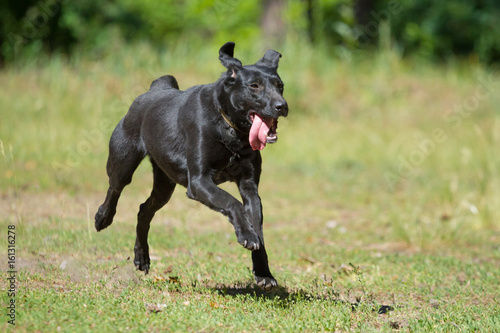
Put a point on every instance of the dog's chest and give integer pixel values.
(236, 153)
(232, 142)
(231, 170)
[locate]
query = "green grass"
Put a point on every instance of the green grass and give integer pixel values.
(381, 207)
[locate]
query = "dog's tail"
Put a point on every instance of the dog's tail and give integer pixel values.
(164, 82)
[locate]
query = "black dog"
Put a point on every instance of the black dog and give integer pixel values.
(199, 138)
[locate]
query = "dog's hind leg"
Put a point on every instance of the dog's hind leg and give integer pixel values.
(163, 188)
(125, 155)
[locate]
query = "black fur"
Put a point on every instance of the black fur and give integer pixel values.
(190, 143)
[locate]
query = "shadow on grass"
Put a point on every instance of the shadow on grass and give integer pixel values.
(287, 299)
(281, 296)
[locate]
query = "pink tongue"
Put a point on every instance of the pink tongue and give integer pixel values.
(258, 133)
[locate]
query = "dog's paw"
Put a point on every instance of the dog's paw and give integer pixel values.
(266, 283)
(103, 218)
(142, 262)
(250, 245)
(250, 242)
(144, 267)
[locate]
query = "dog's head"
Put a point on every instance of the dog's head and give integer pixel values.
(255, 95)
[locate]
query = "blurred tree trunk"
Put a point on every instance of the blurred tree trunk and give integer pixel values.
(272, 23)
(310, 21)
(362, 9)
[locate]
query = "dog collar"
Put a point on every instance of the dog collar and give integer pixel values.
(228, 121)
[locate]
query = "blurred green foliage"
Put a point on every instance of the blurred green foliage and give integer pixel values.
(433, 29)
(28, 26)
(446, 28)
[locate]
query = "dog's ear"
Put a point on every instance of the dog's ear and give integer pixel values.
(270, 59)
(226, 58)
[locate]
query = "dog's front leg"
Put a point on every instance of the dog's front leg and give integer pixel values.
(203, 189)
(253, 207)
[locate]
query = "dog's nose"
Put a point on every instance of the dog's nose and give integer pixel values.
(282, 108)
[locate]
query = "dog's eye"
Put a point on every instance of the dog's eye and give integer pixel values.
(280, 86)
(254, 86)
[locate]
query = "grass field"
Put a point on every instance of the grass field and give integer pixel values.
(381, 201)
